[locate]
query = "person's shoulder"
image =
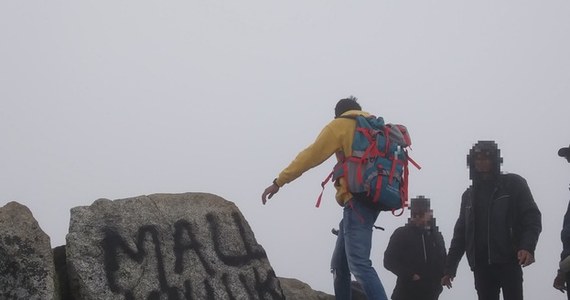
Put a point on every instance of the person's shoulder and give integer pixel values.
(512, 176)
(512, 179)
(466, 193)
(402, 229)
(351, 115)
(346, 120)
(402, 234)
(438, 234)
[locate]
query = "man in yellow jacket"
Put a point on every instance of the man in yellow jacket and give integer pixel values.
(352, 250)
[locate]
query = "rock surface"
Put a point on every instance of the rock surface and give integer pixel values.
(297, 290)
(26, 259)
(166, 246)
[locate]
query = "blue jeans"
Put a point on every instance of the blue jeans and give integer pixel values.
(352, 253)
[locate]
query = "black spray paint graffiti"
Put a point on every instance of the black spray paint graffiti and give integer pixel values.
(185, 241)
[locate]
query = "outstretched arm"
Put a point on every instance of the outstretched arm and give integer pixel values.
(269, 192)
(325, 145)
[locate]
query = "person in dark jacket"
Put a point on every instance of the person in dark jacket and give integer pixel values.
(416, 254)
(562, 280)
(498, 227)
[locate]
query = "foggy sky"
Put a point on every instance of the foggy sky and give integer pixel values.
(112, 99)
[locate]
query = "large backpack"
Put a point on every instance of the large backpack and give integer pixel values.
(377, 171)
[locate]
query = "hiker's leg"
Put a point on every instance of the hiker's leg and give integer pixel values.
(339, 268)
(511, 281)
(358, 221)
(486, 283)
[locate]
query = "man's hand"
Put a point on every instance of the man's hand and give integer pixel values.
(269, 192)
(559, 282)
(446, 281)
(525, 258)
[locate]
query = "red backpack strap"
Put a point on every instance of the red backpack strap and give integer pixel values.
(387, 137)
(403, 195)
(403, 191)
(323, 184)
(414, 163)
(340, 158)
(377, 195)
(394, 212)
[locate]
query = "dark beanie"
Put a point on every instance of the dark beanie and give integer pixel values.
(346, 104)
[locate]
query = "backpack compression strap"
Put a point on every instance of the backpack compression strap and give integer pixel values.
(340, 158)
(323, 184)
(414, 163)
(404, 187)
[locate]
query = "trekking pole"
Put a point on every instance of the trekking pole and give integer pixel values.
(335, 231)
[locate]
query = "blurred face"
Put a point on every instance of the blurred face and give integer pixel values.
(483, 163)
(423, 219)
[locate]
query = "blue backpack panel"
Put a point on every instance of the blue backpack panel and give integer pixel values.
(377, 170)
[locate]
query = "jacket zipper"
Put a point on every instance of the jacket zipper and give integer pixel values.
(512, 220)
(424, 244)
(489, 225)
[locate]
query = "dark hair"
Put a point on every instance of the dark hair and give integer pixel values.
(488, 148)
(346, 104)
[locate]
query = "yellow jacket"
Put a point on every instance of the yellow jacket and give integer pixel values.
(337, 136)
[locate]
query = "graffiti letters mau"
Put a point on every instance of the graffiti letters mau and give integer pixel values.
(255, 282)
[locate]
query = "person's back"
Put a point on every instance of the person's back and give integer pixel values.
(336, 137)
(352, 249)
